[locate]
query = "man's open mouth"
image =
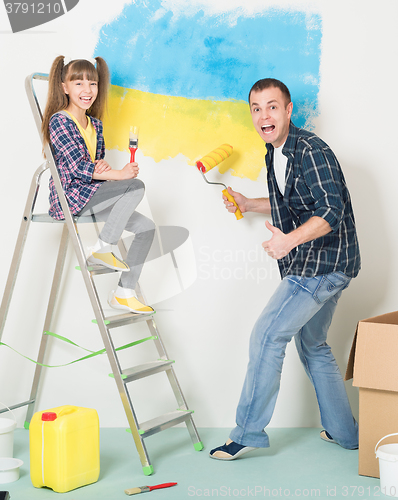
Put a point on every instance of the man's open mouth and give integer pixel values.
(266, 129)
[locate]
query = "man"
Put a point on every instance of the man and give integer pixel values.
(315, 243)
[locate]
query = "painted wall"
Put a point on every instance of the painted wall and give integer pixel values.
(182, 73)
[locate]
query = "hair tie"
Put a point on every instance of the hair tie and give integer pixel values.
(67, 60)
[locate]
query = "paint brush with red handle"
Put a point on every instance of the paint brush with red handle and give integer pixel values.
(133, 142)
(144, 489)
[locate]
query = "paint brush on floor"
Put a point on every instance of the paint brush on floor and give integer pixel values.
(133, 142)
(145, 489)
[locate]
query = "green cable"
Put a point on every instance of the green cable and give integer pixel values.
(91, 355)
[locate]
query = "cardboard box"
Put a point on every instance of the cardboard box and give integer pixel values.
(373, 366)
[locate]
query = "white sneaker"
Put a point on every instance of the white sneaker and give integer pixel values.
(108, 259)
(130, 304)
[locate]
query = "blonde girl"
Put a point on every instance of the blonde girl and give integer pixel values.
(72, 126)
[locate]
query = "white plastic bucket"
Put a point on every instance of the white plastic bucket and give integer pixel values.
(9, 470)
(388, 466)
(7, 427)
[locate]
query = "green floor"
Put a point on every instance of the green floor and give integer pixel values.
(298, 464)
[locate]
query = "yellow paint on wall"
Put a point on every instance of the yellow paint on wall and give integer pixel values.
(170, 126)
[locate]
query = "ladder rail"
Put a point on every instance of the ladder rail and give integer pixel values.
(20, 244)
(59, 266)
(160, 347)
(175, 385)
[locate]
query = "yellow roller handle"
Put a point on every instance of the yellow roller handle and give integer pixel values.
(214, 158)
(238, 213)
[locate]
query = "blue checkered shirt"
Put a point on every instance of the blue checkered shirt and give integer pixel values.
(74, 164)
(315, 186)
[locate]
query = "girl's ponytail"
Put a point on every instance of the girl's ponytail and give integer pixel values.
(98, 108)
(57, 99)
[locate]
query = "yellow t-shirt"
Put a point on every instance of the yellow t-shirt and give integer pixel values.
(89, 135)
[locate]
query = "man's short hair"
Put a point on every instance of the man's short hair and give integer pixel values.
(266, 83)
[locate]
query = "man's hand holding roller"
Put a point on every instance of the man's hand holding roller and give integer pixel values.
(259, 205)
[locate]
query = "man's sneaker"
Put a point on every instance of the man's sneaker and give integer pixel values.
(230, 450)
(327, 437)
(108, 259)
(130, 304)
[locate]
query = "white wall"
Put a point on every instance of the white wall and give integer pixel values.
(206, 328)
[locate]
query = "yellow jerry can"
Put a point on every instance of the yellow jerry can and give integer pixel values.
(64, 448)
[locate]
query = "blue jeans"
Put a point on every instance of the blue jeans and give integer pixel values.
(301, 308)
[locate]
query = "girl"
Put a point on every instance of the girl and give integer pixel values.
(71, 124)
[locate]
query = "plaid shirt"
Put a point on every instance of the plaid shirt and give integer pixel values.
(74, 164)
(315, 186)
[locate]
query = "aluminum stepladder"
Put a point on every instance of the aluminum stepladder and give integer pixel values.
(105, 324)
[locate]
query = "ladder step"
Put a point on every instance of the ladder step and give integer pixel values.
(126, 319)
(146, 369)
(163, 422)
(19, 405)
(96, 270)
(47, 218)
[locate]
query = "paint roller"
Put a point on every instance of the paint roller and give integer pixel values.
(213, 159)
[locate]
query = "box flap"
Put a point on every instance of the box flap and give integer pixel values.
(349, 373)
(387, 319)
(375, 354)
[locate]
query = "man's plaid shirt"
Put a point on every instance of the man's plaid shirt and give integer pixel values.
(315, 186)
(74, 164)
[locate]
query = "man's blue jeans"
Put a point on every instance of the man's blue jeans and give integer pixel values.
(301, 308)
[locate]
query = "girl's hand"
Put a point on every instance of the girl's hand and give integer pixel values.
(101, 166)
(129, 171)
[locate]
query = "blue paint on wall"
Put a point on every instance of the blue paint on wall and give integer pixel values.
(202, 56)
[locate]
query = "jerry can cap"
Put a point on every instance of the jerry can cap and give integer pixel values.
(48, 416)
